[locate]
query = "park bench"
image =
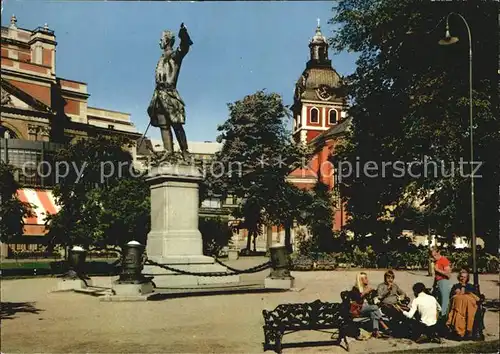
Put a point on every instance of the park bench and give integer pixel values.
(315, 316)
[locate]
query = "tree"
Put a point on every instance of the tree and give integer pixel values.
(319, 217)
(256, 157)
(410, 103)
(103, 200)
(12, 209)
(288, 205)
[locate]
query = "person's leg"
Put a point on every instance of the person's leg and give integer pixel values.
(180, 134)
(374, 313)
(166, 133)
(444, 287)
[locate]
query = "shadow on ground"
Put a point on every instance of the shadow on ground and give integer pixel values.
(492, 305)
(308, 344)
(9, 309)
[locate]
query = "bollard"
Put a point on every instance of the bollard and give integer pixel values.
(280, 277)
(132, 257)
(280, 262)
(76, 259)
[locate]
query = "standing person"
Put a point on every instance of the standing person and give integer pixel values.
(427, 308)
(442, 283)
(360, 294)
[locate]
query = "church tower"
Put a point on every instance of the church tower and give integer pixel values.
(319, 101)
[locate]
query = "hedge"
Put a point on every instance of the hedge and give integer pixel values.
(415, 259)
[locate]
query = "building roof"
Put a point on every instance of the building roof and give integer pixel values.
(10, 89)
(319, 81)
(340, 129)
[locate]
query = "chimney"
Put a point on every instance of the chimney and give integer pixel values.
(43, 47)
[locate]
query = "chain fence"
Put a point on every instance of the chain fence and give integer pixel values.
(232, 271)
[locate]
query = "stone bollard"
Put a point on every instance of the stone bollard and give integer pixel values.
(76, 260)
(132, 283)
(280, 277)
(132, 264)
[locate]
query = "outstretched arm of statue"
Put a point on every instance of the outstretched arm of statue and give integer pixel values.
(186, 42)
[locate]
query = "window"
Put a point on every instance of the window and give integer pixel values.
(314, 115)
(332, 116)
(6, 133)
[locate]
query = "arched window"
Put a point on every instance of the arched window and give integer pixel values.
(314, 115)
(6, 133)
(332, 116)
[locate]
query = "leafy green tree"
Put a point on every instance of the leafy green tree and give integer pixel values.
(103, 200)
(288, 205)
(215, 233)
(319, 217)
(410, 103)
(256, 157)
(12, 209)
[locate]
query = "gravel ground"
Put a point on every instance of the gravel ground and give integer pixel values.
(70, 322)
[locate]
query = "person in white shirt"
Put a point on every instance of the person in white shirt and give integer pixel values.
(427, 308)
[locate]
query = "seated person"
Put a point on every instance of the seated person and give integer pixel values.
(463, 306)
(427, 308)
(389, 294)
(360, 306)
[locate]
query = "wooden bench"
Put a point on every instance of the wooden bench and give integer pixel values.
(315, 316)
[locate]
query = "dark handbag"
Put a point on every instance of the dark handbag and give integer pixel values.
(355, 309)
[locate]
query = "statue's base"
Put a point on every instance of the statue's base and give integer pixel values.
(279, 283)
(196, 264)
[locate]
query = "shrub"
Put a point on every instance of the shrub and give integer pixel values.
(216, 234)
(414, 258)
(33, 254)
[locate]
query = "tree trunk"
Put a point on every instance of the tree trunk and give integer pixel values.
(288, 238)
(269, 237)
(249, 240)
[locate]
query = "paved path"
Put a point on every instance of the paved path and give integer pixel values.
(70, 322)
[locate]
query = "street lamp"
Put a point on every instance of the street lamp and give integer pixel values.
(447, 40)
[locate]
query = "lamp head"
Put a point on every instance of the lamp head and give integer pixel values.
(448, 39)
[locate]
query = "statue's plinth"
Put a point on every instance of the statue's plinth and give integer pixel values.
(174, 238)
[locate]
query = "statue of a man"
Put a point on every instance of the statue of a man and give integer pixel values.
(166, 109)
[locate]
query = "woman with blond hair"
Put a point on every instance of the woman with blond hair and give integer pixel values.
(360, 306)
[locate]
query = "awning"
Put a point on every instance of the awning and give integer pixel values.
(44, 204)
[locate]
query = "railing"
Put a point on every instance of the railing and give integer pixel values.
(44, 30)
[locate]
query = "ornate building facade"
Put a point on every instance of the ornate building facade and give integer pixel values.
(320, 121)
(40, 113)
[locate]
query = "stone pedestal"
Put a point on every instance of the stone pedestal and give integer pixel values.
(72, 284)
(174, 238)
(279, 283)
(130, 289)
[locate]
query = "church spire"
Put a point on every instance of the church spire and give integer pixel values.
(318, 46)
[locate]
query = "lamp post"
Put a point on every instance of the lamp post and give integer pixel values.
(447, 40)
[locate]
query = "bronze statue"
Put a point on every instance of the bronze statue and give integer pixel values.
(166, 109)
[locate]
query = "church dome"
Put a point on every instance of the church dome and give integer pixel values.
(319, 81)
(318, 37)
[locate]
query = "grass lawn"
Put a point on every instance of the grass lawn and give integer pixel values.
(26, 265)
(478, 347)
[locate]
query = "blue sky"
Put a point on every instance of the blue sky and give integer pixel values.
(239, 48)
